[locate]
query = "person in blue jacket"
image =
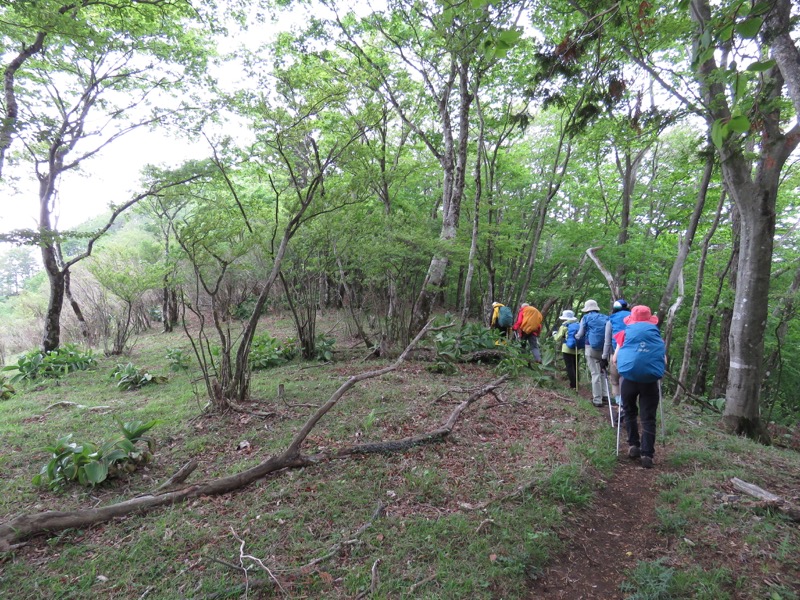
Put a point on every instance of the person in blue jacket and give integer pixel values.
(593, 327)
(641, 361)
(615, 324)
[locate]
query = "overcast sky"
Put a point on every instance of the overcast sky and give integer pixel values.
(111, 177)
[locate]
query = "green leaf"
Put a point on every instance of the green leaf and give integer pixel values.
(96, 472)
(739, 124)
(750, 27)
(114, 456)
(704, 56)
(717, 136)
(726, 33)
(510, 36)
(478, 3)
(740, 87)
(705, 39)
(760, 8)
(761, 66)
(127, 445)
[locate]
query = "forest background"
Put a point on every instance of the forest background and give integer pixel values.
(404, 157)
(388, 166)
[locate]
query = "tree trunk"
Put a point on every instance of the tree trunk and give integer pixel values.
(52, 320)
(720, 382)
(76, 307)
(165, 306)
(756, 204)
(691, 229)
(698, 294)
(454, 167)
(754, 192)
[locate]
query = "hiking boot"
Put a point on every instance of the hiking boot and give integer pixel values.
(634, 452)
(647, 462)
(605, 400)
(597, 402)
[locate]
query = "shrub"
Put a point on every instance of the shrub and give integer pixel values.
(155, 314)
(55, 363)
(130, 377)
(266, 351)
(6, 389)
(452, 344)
(244, 309)
(323, 348)
(90, 464)
(177, 359)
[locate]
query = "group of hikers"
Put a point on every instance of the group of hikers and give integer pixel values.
(623, 350)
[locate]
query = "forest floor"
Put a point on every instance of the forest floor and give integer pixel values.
(614, 533)
(620, 530)
(525, 499)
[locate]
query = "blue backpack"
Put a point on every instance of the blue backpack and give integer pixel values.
(571, 342)
(617, 324)
(595, 325)
(641, 357)
(505, 318)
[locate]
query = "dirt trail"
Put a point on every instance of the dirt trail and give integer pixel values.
(609, 537)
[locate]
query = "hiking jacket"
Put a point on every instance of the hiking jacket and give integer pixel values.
(615, 324)
(561, 336)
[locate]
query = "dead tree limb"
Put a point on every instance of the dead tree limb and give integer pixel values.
(24, 526)
(354, 539)
(426, 438)
(612, 284)
(180, 476)
(769, 499)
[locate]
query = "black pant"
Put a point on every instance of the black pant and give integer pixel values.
(571, 363)
(648, 397)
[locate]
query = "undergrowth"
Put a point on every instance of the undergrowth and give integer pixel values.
(479, 515)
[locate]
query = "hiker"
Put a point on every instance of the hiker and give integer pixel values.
(528, 326)
(615, 324)
(571, 348)
(593, 327)
(641, 361)
(502, 318)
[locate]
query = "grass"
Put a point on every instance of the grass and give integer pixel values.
(480, 515)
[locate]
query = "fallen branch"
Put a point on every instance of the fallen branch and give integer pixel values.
(28, 525)
(425, 438)
(419, 584)
(180, 476)
(67, 404)
(768, 499)
(485, 356)
(256, 560)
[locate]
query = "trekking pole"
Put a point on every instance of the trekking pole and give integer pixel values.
(577, 373)
(619, 426)
(661, 406)
(608, 395)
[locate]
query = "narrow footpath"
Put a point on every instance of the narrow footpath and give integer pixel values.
(615, 532)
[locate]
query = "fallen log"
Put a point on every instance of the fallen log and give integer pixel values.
(24, 526)
(767, 498)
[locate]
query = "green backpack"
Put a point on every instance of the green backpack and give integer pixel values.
(505, 318)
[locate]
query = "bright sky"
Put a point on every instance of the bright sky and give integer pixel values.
(113, 176)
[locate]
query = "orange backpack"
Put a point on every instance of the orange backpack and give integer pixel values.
(531, 320)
